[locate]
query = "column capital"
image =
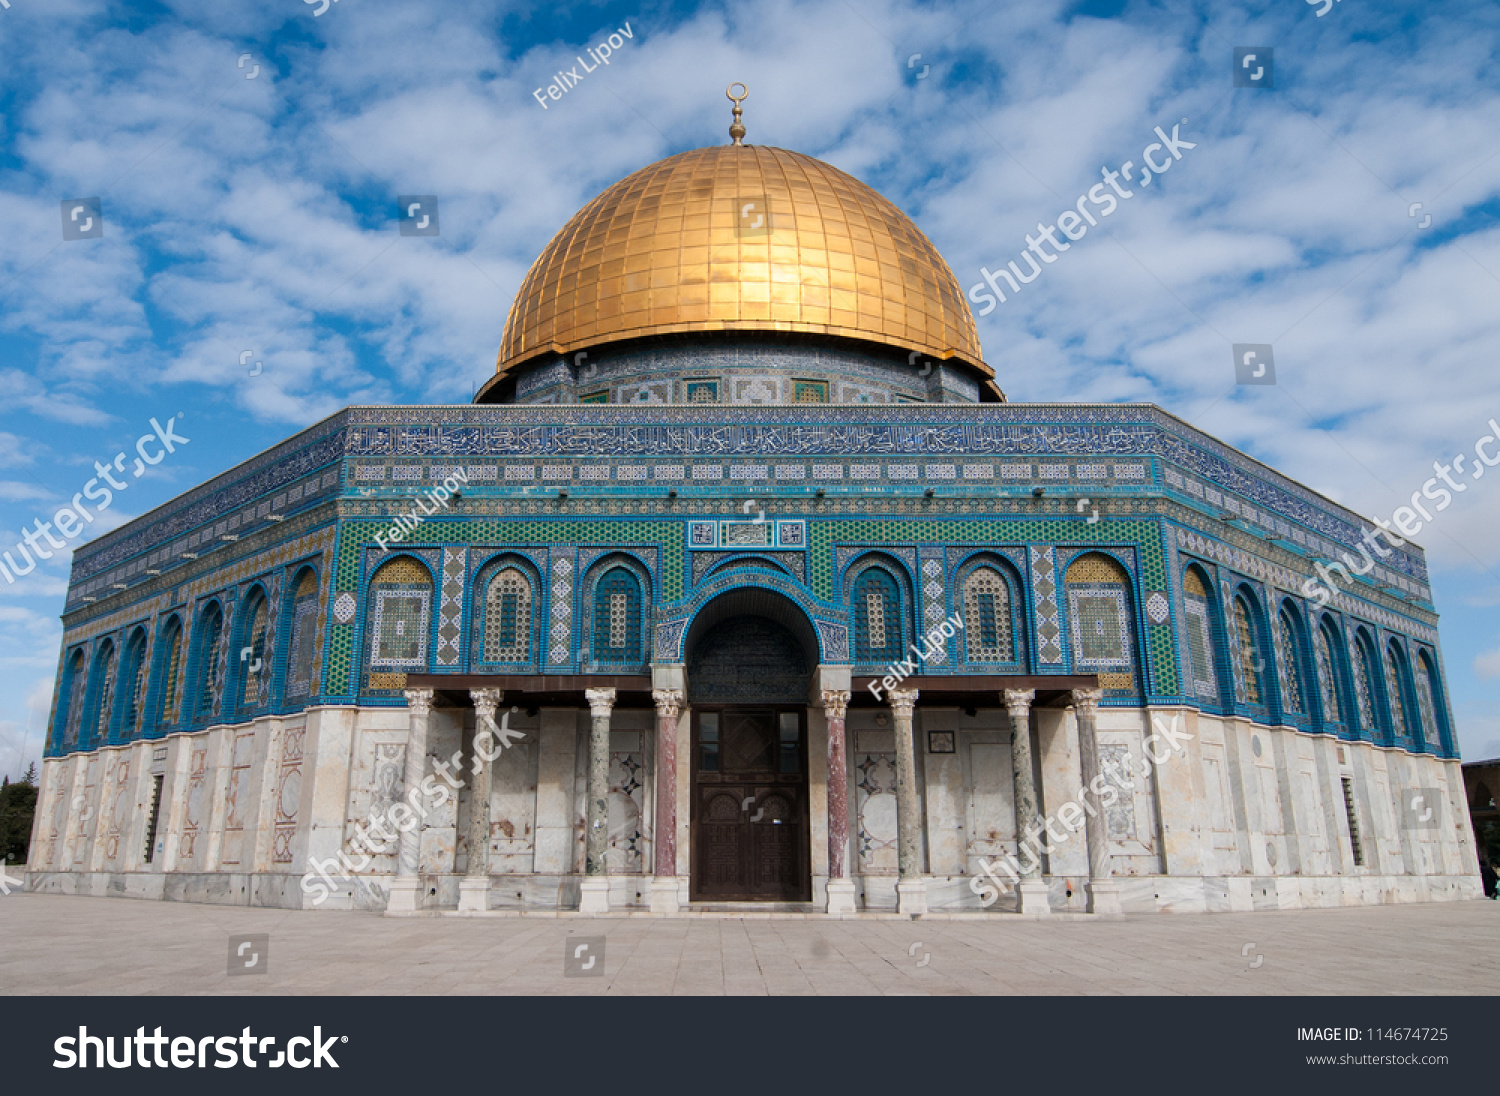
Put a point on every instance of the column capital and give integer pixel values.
(902, 702)
(601, 702)
(668, 701)
(419, 701)
(1087, 700)
(1017, 701)
(835, 703)
(486, 701)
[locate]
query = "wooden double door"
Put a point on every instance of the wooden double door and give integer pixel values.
(749, 805)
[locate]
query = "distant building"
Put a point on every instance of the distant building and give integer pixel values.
(742, 582)
(1481, 785)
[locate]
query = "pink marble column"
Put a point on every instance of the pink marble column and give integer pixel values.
(840, 887)
(668, 704)
(835, 708)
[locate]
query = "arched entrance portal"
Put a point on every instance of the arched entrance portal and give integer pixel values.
(749, 656)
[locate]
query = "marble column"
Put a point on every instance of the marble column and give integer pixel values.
(664, 880)
(1104, 894)
(911, 888)
(1032, 891)
(840, 887)
(406, 888)
(474, 888)
(594, 890)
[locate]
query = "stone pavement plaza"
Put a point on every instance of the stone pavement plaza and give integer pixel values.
(53, 944)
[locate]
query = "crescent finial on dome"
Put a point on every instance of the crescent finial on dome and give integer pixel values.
(737, 129)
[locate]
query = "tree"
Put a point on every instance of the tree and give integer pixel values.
(17, 805)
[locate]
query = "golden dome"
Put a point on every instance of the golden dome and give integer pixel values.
(666, 250)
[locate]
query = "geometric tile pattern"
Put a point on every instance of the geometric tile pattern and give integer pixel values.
(451, 607)
(560, 634)
(355, 534)
(1157, 607)
(1044, 604)
(848, 550)
(932, 598)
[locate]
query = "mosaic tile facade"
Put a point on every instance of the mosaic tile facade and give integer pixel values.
(807, 490)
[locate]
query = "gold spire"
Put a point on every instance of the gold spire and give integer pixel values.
(737, 130)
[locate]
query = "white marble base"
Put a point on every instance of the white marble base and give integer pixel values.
(664, 894)
(1104, 898)
(1032, 898)
(593, 895)
(473, 895)
(841, 897)
(911, 897)
(406, 896)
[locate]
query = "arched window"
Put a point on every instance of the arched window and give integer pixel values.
(1249, 687)
(879, 635)
(1396, 688)
(70, 717)
(1428, 700)
(1484, 799)
(134, 677)
(507, 618)
(1325, 643)
(1363, 667)
(210, 662)
(1099, 616)
(617, 618)
(402, 595)
(990, 625)
(252, 659)
(303, 642)
(1199, 622)
(1289, 672)
(102, 686)
(170, 656)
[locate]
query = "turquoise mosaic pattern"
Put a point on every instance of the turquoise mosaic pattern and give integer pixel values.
(619, 462)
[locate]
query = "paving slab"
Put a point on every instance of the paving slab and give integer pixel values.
(60, 944)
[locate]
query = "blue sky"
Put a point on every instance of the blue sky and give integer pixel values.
(249, 204)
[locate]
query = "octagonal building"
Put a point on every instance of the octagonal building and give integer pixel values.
(742, 582)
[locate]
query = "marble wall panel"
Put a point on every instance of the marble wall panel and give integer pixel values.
(288, 794)
(438, 848)
(557, 851)
(990, 812)
(627, 772)
(1057, 743)
(874, 756)
(944, 799)
(513, 800)
(239, 805)
(195, 810)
